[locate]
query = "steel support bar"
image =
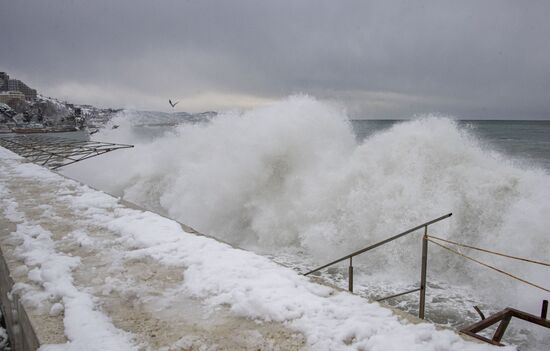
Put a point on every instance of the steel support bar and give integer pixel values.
(350, 275)
(479, 312)
(396, 295)
(501, 329)
(422, 303)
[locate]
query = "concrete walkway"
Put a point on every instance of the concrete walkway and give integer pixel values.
(126, 289)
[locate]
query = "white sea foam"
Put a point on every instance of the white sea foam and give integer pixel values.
(292, 175)
(215, 276)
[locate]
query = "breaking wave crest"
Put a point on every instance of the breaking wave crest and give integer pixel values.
(292, 175)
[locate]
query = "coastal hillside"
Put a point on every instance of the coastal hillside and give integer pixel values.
(48, 112)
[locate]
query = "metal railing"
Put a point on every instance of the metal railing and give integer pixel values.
(504, 318)
(422, 288)
(55, 152)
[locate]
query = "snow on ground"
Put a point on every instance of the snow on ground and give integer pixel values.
(215, 275)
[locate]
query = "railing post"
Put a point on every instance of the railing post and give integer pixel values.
(350, 275)
(422, 304)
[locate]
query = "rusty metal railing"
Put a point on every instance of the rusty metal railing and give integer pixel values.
(424, 262)
(55, 152)
(504, 318)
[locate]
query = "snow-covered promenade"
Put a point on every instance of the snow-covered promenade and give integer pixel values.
(94, 273)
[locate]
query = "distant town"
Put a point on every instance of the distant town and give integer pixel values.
(24, 110)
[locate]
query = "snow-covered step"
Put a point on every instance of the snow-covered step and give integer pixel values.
(93, 273)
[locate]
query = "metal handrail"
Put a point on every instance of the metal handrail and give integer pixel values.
(424, 262)
(380, 243)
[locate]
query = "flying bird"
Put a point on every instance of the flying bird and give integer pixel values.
(173, 103)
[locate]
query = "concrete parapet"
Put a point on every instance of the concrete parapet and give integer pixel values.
(21, 332)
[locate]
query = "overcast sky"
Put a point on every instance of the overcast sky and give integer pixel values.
(380, 59)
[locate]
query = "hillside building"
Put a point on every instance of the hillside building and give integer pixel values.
(15, 85)
(7, 96)
(4, 78)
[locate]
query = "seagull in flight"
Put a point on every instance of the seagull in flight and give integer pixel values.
(173, 103)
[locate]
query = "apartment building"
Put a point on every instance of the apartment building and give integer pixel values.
(8, 84)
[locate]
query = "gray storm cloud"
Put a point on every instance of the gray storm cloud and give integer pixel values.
(477, 59)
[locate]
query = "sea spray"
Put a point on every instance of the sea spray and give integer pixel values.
(291, 176)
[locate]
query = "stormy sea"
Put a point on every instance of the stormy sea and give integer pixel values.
(302, 183)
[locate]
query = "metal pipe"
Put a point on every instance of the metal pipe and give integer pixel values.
(501, 329)
(380, 243)
(422, 304)
(350, 275)
(479, 312)
(400, 294)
